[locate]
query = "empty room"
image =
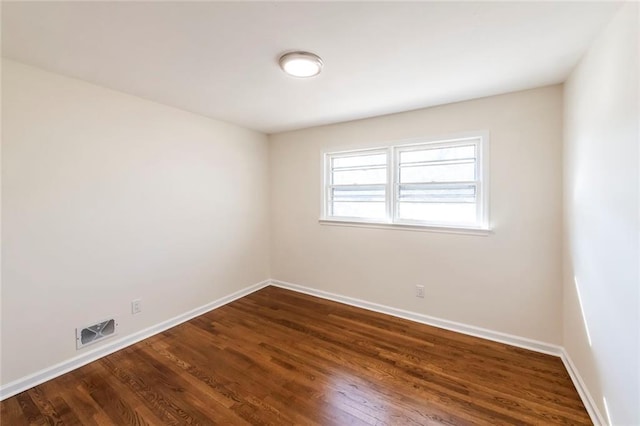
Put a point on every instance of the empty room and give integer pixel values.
(320, 213)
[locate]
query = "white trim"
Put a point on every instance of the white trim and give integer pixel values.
(27, 382)
(592, 408)
(496, 336)
(391, 191)
(479, 139)
(49, 373)
(406, 227)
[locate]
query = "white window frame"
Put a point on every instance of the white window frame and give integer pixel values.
(481, 182)
(328, 186)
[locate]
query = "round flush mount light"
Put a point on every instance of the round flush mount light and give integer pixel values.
(301, 64)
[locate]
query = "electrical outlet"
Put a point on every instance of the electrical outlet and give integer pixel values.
(136, 306)
(420, 291)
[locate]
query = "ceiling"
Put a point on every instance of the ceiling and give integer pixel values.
(219, 59)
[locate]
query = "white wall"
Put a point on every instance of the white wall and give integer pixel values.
(602, 224)
(509, 281)
(107, 198)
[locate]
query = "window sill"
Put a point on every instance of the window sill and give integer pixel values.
(408, 227)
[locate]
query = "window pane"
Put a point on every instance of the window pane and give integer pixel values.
(431, 194)
(436, 154)
(438, 173)
(365, 210)
(355, 193)
(360, 160)
(432, 183)
(355, 177)
(444, 213)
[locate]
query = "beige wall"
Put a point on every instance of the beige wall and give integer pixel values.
(107, 198)
(602, 224)
(509, 281)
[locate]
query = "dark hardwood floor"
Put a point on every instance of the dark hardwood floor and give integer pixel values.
(282, 358)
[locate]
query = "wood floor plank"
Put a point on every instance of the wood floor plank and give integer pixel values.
(31, 413)
(278, 357)
(87, 410)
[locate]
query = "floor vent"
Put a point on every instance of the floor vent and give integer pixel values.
(96, 332)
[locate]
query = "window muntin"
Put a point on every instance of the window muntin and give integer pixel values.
(440, 183)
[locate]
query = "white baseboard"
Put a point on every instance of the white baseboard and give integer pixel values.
(49, 373)
(496, 336)
(589, 403)
(521, 342)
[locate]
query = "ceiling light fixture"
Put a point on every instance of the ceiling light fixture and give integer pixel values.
(301, 64)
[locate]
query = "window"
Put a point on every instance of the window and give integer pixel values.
(437, 183)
